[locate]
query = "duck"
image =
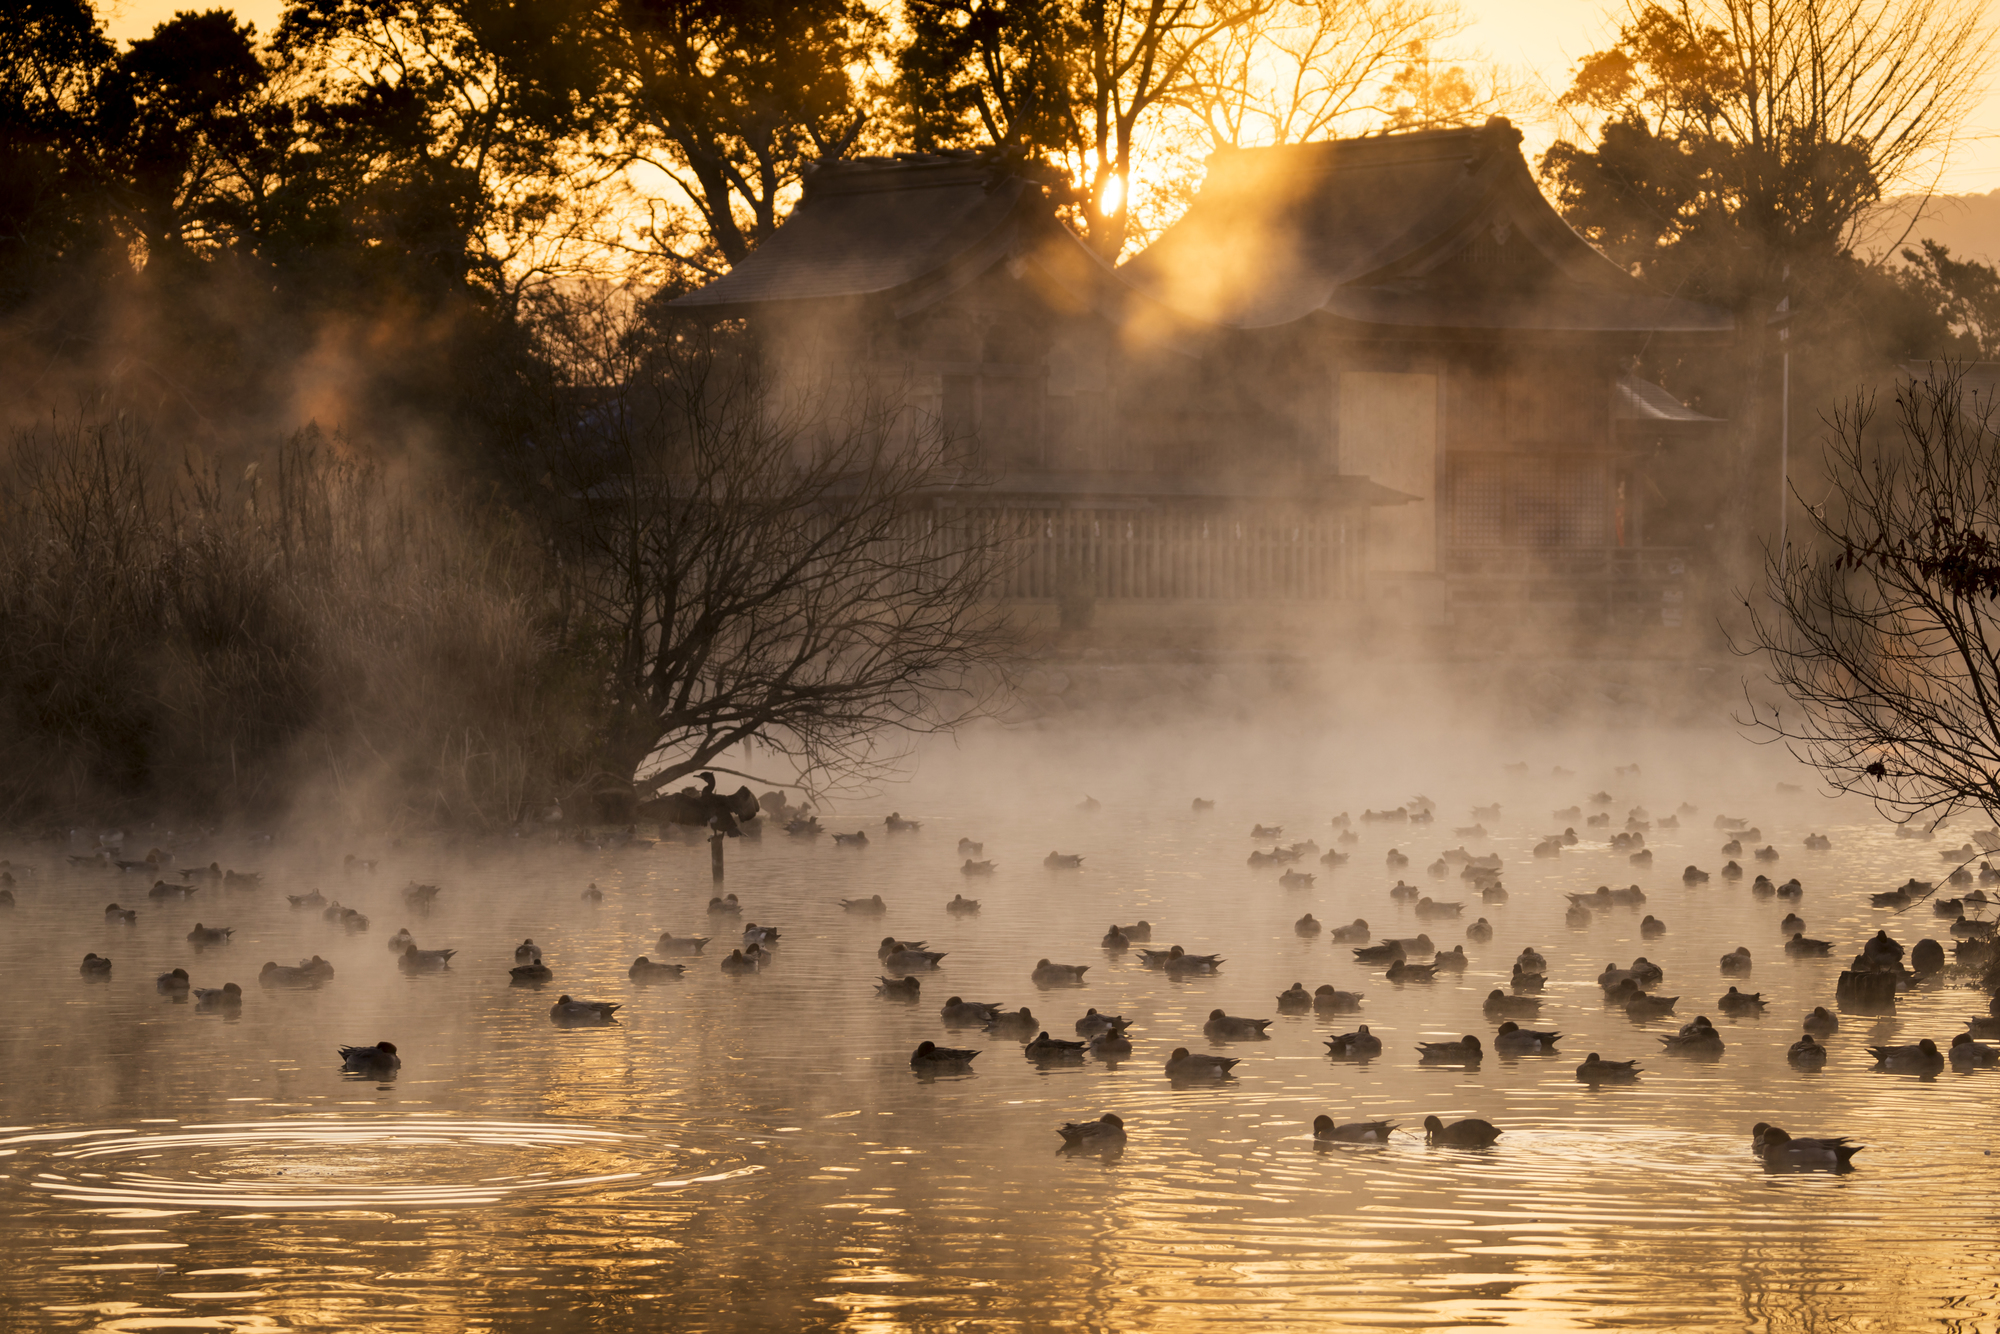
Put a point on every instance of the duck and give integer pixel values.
(165, 892)
(1696, 1038)
(567, 1012)
(420, 898)
(1822, 1021)
(1403, 893)
(1106, 1132)
(1576, 915)
(871, 906)
(1359, 1044)
(1967, 1054)
(1492, 891)
(726, 906)
(126, 916)
(1431, 909)
(1110, 1046)
(1044, 1049)
(645, 970)
(1307, 926)
(525, 952)
(1295, 1000)
(1818, 843)
(1354, 933)
(1596, 1070)
(1116, 941)
(1471, 1133)
(1063, 861)
(961, 906)
(1499, 1005)
(896, 824)
(1731, 871)
(1355, 1132)
(1295, 880)
(967, 848)
(670, 944)
(1018, 1024)
(1919, 1058)
(275, 974)
(1693, 875)
(1641, 1005)
(888, 988)
(1652, 928)
(414, 960)
(525, 974)
(1894, 898)
(1179, 963)
(1334, 856)
(402, 940)
(972, 867)
(1779, 1149)
(1791, 925)
(761, 955)
(1740, 1002)
(228, 996)
(1800, 947)
(379, 1061)
(1464, 1051)
(1223, 1027)
(1452, 960)
(1736, 963)
(1048, 974)
(1389, 951)
(1182, 1064)
(210, 935)
(1526, 984)
(1514, 1040)
(1807, 1053)
(212, 871)
(857, 839)
(760, 935)
(959, 1013)
(1529, 960)
(738, 963)
(930, 1056)
(1480, 932)
(1094, 1024)
(1139, 933)
(1792, 889)
(913, 961)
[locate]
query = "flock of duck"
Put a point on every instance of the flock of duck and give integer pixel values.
(1414, 960)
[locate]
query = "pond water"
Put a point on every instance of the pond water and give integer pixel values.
(756, 1152)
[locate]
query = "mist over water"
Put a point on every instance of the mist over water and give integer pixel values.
(756, 1152)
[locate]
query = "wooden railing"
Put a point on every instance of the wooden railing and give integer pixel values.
(1635, 585)
(1244, 554)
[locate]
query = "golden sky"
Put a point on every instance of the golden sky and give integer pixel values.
(1541, 38)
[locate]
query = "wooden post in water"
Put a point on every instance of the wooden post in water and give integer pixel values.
(715, 856)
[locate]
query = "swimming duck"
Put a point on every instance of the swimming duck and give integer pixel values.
(421, 898)
(1328, 999)
(1515, 1040)
(1652, 928)
(1480, 932)
(1740, 1002)
(175, 983)
(379, 1061)
(760, 935)
(870, 906)
(1090, 804)
(1733, 848)
(1295, 1000)
(857, 839)
(1731, 871)
(1179, 963)
(1818, 843)
(890, 945)
(1468, 1134)
(726, 906)
(1694, 875)
(1115, 941)
(1402, 892)
(737, 963)
(1389, 951)
(1046, 1050)
(351, 863)
(278, 975)
(114, 913)
(961, 906)
(1526, 984)
(567, 1012)
(1355, 1132)
(1807, 1053)
(414, 960)
(930, 1056)
(212, 871)
(1766, 854)
(1822, 1021)
(1223, 1027)
(1182, 1064)
(1106, 1132)
(1499, 1005)
(977, 868)
(228, 996)
(896, 824)
(402, 940)
(1110, 1046)
(350, 919)
(1438, 869)
(525, 974)
(1452, 960)
(1048, 974)
(967, 1014)
(1307, 926)
(1779, 1149)
(1967, 1054)
(1139, 933)
(1335, 857)
(210, 935)
(1576, 915)
(670, 944)
(1596, 1070)
(1267, 831)
(889, 988)
(1354, 933)
(1736, 963)
(1791, 889)
(167, 893)
(1359, 1044)
(1094, 1024)
(913, 961)
(1395, 861)
(967, 848)
(1465, 1051)
(1696, 1038)
(1400, 972)
(1063, 861)
(525, 952)
(1641, 1005)
(1018, 1024)
(1431, 908)
(1799, 947)
(1792, 925)
(1295, 880)
(1920, 1058)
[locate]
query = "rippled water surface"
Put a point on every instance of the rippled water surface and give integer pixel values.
(756, 1152)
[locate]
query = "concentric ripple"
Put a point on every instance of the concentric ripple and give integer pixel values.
(336, 1163)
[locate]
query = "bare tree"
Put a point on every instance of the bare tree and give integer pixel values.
(1886, 627)
(747, 561)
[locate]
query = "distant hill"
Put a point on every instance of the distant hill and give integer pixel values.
(1967, 225)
